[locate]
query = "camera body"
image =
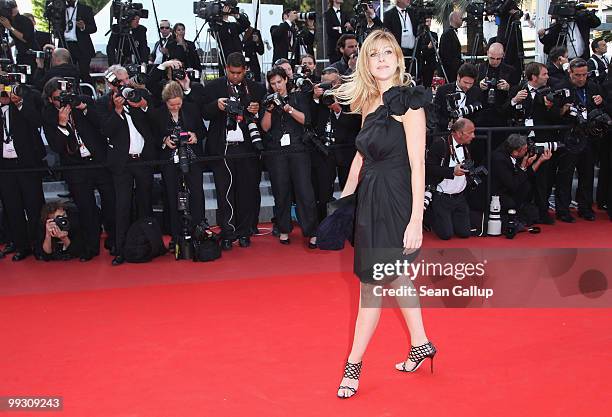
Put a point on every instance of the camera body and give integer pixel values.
(131, 94)
(55, 12)
(274, 99)
(538, 148)
(125, 12)
(328, 98)
(212, 11)
(62, 223)
(137, 73)
(566, 9)
(424, 9)
(304, 16)
(475, 175)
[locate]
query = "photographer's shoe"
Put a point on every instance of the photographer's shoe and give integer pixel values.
(312, 244)
(244, 242)
(20, 255)
(566, 217)
(588, 216)
(9, 248)
(546, 219)
(226, 244)
(171, 246)
(118, 260)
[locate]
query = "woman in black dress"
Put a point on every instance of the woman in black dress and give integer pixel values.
(388, 175)
(182, 49)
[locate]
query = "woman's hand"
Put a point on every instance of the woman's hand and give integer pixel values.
(169, 142)
(413, 237)
(193, 139)
(52, 229)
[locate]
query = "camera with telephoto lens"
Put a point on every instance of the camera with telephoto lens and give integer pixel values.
(456, 111)
(235, 112)
(275, 100)
(328, 98)
(44, 54)
(184, 154)
(491, 86)
(62, 223)
(554, 96)
(503, 7)
(130, 94)
(212, 11)
(125, 12)
(538, 148)
(568, 10)
(304, 16)
(475, 175)
(429, 190)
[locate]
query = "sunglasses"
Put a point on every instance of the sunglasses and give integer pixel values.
(164, 27)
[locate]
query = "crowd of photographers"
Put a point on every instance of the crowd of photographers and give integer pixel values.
(152, 119)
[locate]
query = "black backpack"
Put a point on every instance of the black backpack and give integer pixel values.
(143, 241)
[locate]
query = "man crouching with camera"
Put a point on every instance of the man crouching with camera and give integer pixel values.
(60, 241)
(446, 167)
(72, 129)
(514, 165)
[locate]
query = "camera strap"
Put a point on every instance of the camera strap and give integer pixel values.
(7, 135)
(70, 19)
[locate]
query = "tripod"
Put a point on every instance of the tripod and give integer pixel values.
(423, 32)
(212, 33)
(513, 32)
(475, 34)
(184, 244)
(5, 49)
(566, 35)
(126, 36)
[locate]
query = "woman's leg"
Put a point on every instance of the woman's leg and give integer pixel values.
(365, 325)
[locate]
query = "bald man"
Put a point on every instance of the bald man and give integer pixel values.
(450, 47)
(61, 66)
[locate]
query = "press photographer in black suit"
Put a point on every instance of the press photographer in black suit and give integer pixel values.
(509, 32)
(334, 126)
(236, 180)
(585, 97)
(173, 70)
(285, 38)
(22, 32)
(74, 133)
(22, 148)
(599, 61)
(450, 47)
(61, 66)
(447, 109)
(426, 56)
(529, 108)
(337, 23)
(128, 129)
(513, 176)
(578, 31)
(401, 20)
(229, 34)
(252, 45)
(183, 50)
(557, 66)
(444, 170)
(174, 118)
(284, 121)
(78, 27)
(128, 56)
(55, 243)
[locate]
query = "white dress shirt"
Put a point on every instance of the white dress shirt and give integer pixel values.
(8, 149)
(578, 45)
(71, 15)
(136, 139)
(408, 39)
(458, 183)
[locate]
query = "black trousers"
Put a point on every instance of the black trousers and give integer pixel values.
(585, 168)
(451, 215)
(563, 176)
(237, 186)
(142, 178)
(603, 178)
(82, 62)
(193, 180)
(292, 172)
(323, 177)
(82, 185)
(23, 199)
(544, 180)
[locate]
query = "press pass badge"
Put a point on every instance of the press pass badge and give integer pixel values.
(285, 140)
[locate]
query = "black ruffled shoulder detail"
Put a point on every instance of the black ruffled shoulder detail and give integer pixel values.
(399, 99)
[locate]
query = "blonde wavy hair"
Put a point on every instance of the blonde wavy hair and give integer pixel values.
(360, 89)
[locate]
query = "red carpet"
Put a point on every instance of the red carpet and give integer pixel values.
(265, 331)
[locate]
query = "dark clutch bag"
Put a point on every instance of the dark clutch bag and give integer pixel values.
(339, 224)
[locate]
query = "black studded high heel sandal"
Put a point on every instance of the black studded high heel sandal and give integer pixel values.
(417, 355)
(351, 371)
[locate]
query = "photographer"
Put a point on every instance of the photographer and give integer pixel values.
(336, 24)
(179, 124)
(125, 124)
(306, 37)
(333, 126)
(183, 50)
(229, 32)
(576, 27)
(444, 169)
(599, 64)
(252, 45)
(450, 47)
(22, 148)
(173, 70)
(528, 108)
(348, 49)
(72, 129)
(284, 120)
(426, 55)
(285, 38)
(458, 99)
(61, 66)
(59, 241)
(79, 25)
(231, 103)
(401, 20)
(128, 55)
(513, 176)
(21, 30)
(309, 68)
(579, 154)
(160, 49)
(558, 64)
(509, 31)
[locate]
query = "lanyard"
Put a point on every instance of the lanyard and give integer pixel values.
(7, 135)
(581, 92)
(69, 21)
